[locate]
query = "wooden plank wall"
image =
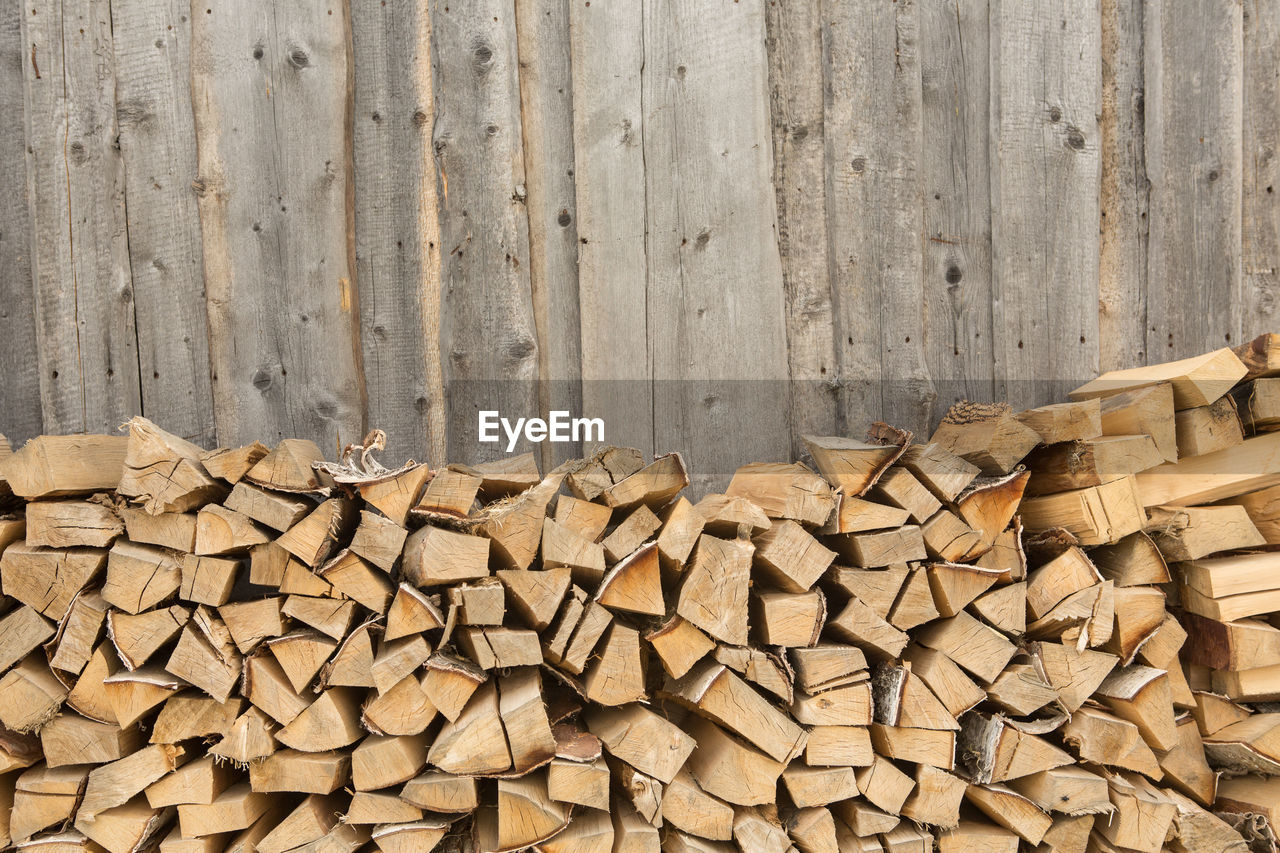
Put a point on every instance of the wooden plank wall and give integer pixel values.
(717, 224)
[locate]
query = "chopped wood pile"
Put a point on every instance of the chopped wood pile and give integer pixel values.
(1050, 630)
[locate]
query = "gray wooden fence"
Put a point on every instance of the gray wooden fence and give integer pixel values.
(717, 224)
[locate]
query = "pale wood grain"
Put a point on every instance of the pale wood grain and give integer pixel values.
(546, 114)
(796, 81)
(1260, 236)
(1192, 62)
(397, 226)
(283, 304)
(153, 107)
(86, 337)
(20, 393)
(955, 173)
(715, 301)
(1046, 92)
(1122, 250)
(607, 43)
(488, 341)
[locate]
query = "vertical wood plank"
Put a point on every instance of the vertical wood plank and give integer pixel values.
(796, 84)
(86, 340)
(397, 226)
(1261, 150)
(608, 55)
(716, 310)
(1192, 61)
(157, 143)
(1046, 92)
(876, 213)
(546, 113)
(488, 341)
(956, 176)
(20, 391)
(1122, 262)
(271, 97)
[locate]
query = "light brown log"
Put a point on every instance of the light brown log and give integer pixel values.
(480, 603)
(197, 781)
(235, 808)
(313, 539)
(189, 715)
(789, 619)
(915, 605)
(936, 798)
(287, 770)
(434, 556)
(1196, 381)
(276, 510)
(330, 722)
(1217, 476)
(394, 496)
(1004, 608)
(411, 612)
(288, 467)
(330, 616)
(714, 592)
(30, 695)
(1092, 462)
(849, 465)
(252, 622)
(948, 538)
(79, 632)
(47, 579)
(50, 466)
(689, 808)
(634, 585)
(729, 769)
(884, 785)
(231, 464)
(449, 495)
(1060, 422)
(1142, 818)
(1071, 790)
(857, 623)
(941, 471)
(72, 739)
(584, 784)
(223, 531)
(828, 665)
(679, 645)
(589, 520)
(989, 505)
(680, 531)
(250, 737)
(719, 694)
(310, 820)
(876, 588)
(1096, 516)
(474, 743)
(881, 548)
(899, 487)
(1191, 533)
(71, 524)
(125, 828)
(974, 646)
(784, 491)
(1204, 429)
(139, 576)
(855, 515)
(563, 547)
(1010, 810)
(987, 435)
(442, 792)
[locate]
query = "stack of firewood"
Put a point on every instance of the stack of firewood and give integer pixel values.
(1043, 630)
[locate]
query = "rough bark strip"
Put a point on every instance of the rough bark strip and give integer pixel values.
(153, 109)
(397, 226)
(1122, 281)
(796, 81)
(1192, 60)
(88, 353)
(488, 341)
(1261, 143)
(546, 112)
(283, 303)
(607, 42)
(1046, 92)
(956, 175)
(20, 392)
(716, 310)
